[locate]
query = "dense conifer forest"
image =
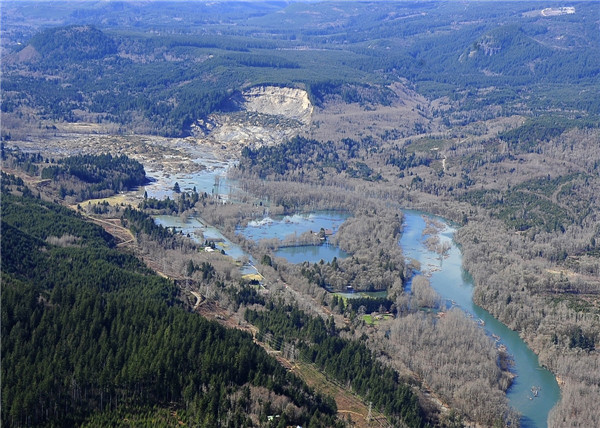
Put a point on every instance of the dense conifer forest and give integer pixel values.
(116, 73)
(349, 362)
(486, 116)
(89, 333)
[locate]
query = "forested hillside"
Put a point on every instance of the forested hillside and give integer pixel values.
(151, 76)
(487, 116)
(347, 361)
(90, 335)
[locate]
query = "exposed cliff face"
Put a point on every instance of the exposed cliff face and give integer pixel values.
(287, 102)
(266, 115)
(270, 115)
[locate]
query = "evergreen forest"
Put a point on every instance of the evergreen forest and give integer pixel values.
(90, 335)
(140, 141)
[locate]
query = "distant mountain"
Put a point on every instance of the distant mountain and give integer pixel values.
(508, 50)
(73, 43)
(157, 67)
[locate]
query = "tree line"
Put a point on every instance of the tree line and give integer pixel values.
(90, 332)
(348, 361)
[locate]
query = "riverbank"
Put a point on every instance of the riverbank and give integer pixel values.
(434, 263)
(454, 284)
(169, 179)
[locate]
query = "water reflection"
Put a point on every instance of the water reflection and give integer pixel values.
(293, 226)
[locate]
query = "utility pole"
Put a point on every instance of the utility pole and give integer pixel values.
(370, 415)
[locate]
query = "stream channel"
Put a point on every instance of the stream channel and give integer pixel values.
(534, 390)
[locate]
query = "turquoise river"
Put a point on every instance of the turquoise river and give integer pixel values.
(534, 391)
(455, 285)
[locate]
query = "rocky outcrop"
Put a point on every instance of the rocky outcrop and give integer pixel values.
(266, 115)
(290, 103)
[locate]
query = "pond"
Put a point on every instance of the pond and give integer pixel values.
(282, 227)
(310, 253)
(448, 277)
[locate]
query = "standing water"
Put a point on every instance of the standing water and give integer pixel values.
(298, 224)
(534, 390)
